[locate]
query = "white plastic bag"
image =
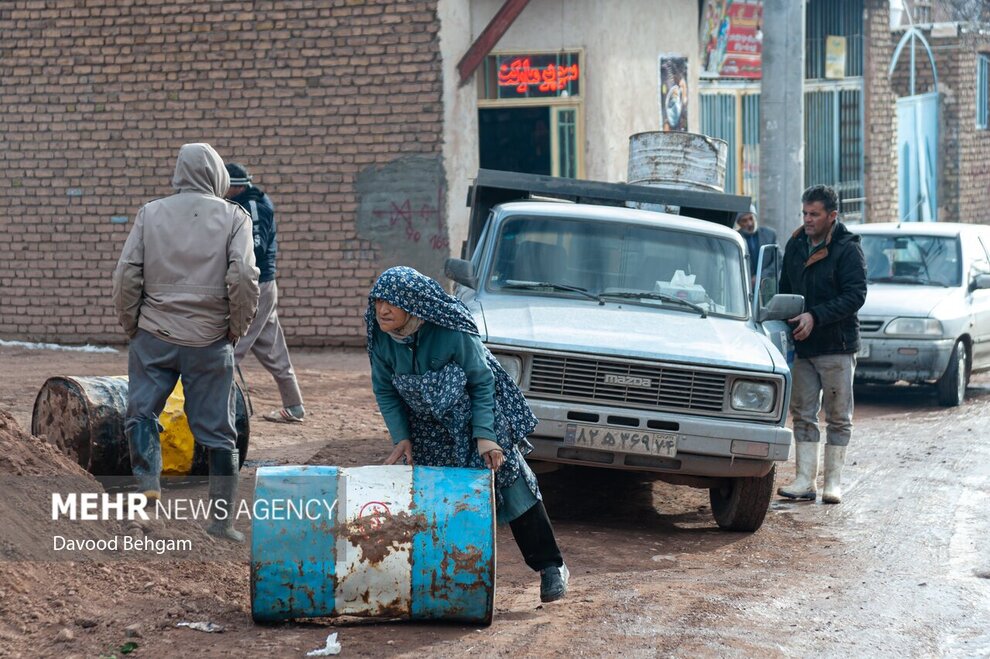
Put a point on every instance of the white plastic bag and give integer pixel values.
(332, 647)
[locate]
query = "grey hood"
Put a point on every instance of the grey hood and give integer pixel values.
(199, 168)
(187, 271)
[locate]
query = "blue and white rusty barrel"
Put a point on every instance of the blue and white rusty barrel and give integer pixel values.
(383, 541)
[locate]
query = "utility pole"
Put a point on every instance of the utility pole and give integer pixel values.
(782, 116)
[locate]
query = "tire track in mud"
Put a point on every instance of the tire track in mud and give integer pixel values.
(908, 542)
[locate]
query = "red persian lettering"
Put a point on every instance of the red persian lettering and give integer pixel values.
(522, 76)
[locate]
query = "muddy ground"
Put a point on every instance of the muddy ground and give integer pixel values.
(900, 568)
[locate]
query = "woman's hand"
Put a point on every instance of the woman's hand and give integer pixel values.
(494, 459)
(402, 450)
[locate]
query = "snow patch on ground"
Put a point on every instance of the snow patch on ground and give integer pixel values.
(54, 346)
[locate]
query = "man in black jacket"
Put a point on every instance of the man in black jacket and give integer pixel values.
(824, 262)
(265, 337)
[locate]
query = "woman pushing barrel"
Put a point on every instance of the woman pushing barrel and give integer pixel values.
(447, 402)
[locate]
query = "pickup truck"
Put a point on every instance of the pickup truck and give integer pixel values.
(633, 333)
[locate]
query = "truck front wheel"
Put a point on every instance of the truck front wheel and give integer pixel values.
(741, 504)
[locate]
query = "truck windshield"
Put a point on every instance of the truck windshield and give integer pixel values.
(901, 259)
(603, 258)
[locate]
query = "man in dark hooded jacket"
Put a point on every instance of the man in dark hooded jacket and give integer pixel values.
(265, 337)
(824, 262)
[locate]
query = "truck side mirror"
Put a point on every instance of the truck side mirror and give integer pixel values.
(460, 271)
(781, 307)
(981, 282)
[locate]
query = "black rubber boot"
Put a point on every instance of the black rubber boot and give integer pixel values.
(146, 457)
(223, 495)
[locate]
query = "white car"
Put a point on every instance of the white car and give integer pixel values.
(927, 314)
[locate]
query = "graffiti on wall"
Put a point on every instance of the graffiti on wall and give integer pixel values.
(402, 210)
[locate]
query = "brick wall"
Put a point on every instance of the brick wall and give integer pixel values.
(964, 150)
(880, 157)
(98, 95)
(973, 183)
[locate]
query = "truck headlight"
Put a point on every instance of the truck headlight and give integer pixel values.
(914, 327)
(750, 396)
(512, 366)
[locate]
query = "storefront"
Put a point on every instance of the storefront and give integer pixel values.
(560, 88)
(530, 114)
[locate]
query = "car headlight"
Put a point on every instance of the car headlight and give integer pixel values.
(749, 396)
(512, 366)
(914, 327)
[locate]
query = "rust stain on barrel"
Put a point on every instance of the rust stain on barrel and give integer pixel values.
(378, 535)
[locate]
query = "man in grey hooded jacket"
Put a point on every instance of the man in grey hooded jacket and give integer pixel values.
(185, 289)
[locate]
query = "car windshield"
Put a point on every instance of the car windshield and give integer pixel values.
(900, 259)
(565, 257)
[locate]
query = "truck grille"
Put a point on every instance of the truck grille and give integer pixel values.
(640, 385)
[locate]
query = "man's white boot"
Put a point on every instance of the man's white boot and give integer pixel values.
(806, 459)
(835, 456)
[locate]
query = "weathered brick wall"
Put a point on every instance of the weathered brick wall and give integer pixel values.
(98, 95)
(880, 163)
(964, 150)
(973, 186)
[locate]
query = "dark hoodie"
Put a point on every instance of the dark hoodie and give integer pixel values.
(833, 283)
(262, 211)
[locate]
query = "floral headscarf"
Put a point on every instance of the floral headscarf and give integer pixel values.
(423, 297)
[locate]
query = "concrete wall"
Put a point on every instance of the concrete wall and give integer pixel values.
(621, 42)
(334, 105)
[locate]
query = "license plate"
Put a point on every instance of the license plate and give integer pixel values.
(624, 441)
(864, 351)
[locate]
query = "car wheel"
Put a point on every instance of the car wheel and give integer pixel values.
(951, 387)
(742, 503)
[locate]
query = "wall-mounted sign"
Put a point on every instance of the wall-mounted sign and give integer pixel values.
(532, 76)
(835, 57)
(673, 92)
(732, 38)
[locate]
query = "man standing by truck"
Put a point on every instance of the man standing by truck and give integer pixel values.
(824, 262)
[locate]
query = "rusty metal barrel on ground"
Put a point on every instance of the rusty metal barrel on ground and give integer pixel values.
(384, 541)
(84, 417)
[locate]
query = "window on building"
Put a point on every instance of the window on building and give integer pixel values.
(529, 113)
(827, 18)
(983, 91)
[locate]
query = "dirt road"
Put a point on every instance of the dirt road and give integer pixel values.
(902, 567)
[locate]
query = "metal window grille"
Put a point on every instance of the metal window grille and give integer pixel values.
(826, 18)
(833, 137)
(718, 119)
(982, 91)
